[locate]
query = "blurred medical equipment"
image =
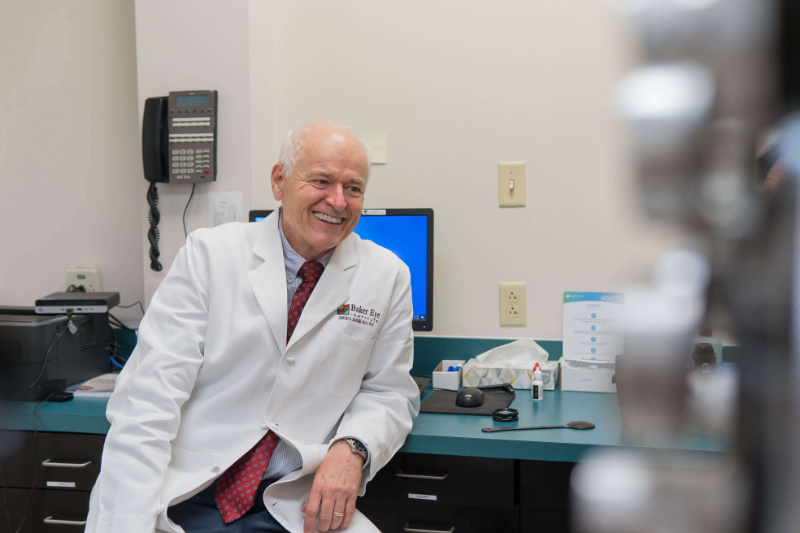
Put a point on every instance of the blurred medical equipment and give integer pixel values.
(718, 75)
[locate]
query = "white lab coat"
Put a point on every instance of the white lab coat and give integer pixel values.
(197, 392)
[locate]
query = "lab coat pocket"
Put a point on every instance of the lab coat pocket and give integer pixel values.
(340, 373)
(184, 469)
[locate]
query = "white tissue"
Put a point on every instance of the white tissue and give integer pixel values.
(521, 351)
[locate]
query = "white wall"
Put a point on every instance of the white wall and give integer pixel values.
(70, 165)
(459, 86)
(196, 44)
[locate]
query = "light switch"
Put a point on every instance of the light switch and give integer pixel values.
(511, 184)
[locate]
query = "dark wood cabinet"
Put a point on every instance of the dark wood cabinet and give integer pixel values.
(49, 511)
(52, 474)
(47, 480)
(53, 460)
(441, 493)
(544, 496)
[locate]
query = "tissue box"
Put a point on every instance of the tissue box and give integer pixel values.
(442, 379)
(520, 375)
(587, 376)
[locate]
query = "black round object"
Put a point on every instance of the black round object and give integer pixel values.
(505, 415)
(469, 397)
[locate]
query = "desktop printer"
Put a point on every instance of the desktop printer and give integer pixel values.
(79, 353)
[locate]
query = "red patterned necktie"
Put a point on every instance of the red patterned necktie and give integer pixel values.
(310, 272)
(236, 488)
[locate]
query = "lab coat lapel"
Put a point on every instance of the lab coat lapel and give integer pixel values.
(331, 291)
(268, 281)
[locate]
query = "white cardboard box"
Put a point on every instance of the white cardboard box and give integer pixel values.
(587, 376)
(442, 379)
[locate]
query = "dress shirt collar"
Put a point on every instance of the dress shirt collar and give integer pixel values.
(292, 260)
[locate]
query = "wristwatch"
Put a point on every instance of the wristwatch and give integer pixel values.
(358, 448)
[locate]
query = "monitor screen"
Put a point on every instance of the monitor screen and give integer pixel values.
(409, 234)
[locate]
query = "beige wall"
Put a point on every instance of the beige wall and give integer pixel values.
(70, 169)
(196, 44)
(459, 86)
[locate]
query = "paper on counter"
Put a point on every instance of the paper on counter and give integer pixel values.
(594, 325)
(224, 207)
(100, 387)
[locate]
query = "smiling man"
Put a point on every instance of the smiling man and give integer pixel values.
(253, 401)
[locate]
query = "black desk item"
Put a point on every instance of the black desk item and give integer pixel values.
(508, 387)
(35, 349)
(469, 397)
(568, 425)
(505, 415)
(444, 402)
(422, 383)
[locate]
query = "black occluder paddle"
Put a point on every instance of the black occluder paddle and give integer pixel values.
(570, 425)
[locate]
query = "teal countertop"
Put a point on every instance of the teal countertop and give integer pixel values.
(437, 433)
(461, 434)
(432, 433)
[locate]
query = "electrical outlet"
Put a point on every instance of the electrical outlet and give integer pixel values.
(86, 276)
(513, 306)
(511, 184)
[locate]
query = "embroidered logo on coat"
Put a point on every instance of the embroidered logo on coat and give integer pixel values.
(359, 315)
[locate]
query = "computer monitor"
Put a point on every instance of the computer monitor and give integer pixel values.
(409, 234)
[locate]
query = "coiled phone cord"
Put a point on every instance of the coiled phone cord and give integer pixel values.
(154, 217)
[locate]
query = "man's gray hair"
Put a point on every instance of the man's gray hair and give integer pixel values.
(290, 148)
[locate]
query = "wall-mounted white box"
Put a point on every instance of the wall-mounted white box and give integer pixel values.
(442, 379)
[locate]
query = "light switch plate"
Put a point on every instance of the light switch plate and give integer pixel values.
(511, 184)
(513, 304)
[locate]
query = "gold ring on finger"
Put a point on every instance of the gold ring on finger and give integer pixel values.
(338, 514)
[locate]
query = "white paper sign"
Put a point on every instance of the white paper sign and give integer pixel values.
(378, 145)
(594, 325)
(224, 207)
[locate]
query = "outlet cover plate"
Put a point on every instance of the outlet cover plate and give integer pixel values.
(506, 172)
(513, 304)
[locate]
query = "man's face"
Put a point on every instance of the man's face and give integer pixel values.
(322, 199)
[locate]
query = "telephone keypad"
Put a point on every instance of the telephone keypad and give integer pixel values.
(191, 164)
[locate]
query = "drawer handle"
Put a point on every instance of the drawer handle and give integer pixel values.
(431, 475)
(47, 462)
(51, 520)
(416, 530)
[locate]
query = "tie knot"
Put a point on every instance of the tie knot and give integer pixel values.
(311, 271)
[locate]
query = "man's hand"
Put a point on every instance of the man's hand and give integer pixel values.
(335, 490)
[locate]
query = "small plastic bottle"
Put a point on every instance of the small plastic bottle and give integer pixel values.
(537, 387)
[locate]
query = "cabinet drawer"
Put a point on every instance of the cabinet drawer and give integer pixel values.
(50, 511)
(447, 480)
(544, 484)
(545, 520)
(392, 516)
(68, 461)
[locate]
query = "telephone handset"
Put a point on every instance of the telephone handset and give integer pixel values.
(179, 145)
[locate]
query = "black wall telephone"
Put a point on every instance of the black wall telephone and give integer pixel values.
(179, 145)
